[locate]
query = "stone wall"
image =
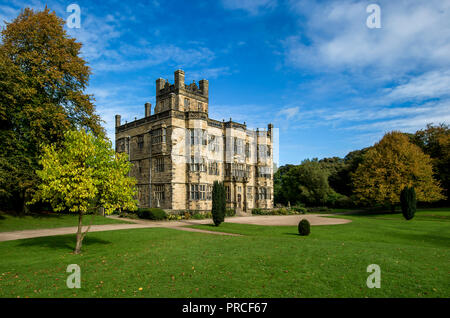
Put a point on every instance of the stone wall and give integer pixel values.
(160, 148)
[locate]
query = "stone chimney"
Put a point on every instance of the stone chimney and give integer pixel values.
(118, 120)
(204, 86)
(148, 109)
(179, 79)
(160, 82)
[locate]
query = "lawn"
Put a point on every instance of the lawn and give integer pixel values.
(50, 220)
(267, 261)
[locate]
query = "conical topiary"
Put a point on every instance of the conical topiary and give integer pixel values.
(218, 203)
(408, 202)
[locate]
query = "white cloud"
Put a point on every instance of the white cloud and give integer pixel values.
(334, 35)
(289, 113)
(133, 57)
(126, 100)
(396, 77)
(96, 34)
(253, 7)
(434, 84)
(438, 112)
(209, 73)
(7, 14)
(254, 115)
(375, 113)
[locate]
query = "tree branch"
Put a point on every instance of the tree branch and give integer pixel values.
(89, 227)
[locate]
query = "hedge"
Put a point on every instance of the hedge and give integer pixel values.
(152, 214)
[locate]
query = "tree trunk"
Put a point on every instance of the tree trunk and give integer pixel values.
(79, 234)
(23, 204)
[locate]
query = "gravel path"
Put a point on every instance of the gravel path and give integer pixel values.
(314, 219)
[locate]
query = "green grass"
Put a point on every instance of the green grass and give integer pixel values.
(267, 261)
(421, 214)
(47, 221)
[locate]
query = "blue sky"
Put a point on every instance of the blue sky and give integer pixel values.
(312, 68)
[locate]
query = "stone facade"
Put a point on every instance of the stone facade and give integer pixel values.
(178, 152)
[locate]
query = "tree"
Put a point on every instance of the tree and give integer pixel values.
(390, 165)
(435, 142)
(408, 202)
(340, 177)
(82, 175)
(279, 195)
(307, 183)
(218, 203)
(42, 83)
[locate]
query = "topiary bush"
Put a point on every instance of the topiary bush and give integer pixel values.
(299, 209)
(304, 228)
(151, 214)
(408, 202)
(318, 209)
(230, 212)
(257, 211)
(218, 203)
(198, 216)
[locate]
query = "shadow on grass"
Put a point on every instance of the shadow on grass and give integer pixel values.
(45, 215)
(212, 225)
(62, 241)
(193, 222)
(292, 234)
(42, 215)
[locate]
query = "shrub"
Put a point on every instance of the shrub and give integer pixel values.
(259, 211)
(280, 211)
(342, 202)
(230, 212)
(318, 209)
(304, 228)
(408, 202)
(299, 209)
(152, 214)
(172, 217)
(198, 216)
(218, 203)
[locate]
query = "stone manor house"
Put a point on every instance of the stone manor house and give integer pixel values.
(178, 152)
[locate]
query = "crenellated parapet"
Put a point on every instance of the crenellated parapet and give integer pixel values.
(177, 152)
(181, 96)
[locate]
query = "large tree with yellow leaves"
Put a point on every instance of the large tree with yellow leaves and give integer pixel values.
(42, 84)
(390, 165)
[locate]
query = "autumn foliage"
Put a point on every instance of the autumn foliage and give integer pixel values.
(391, 165)
(42, 83)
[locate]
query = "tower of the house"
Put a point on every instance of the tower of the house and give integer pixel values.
(181, 96)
